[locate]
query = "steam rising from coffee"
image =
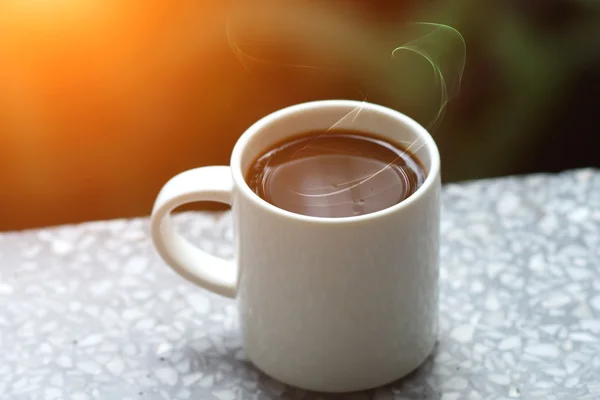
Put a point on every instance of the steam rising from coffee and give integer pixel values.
(414, 67)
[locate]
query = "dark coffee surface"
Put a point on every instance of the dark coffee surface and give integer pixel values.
(335, 174)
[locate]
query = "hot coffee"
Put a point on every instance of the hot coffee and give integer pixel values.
(292, 272)
(335, 173)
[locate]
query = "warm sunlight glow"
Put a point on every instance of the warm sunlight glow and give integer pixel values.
(50, 12)
(92, 93)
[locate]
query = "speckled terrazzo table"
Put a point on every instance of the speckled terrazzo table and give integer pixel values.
(91, 312)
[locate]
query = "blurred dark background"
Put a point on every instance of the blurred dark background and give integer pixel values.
(102, 101)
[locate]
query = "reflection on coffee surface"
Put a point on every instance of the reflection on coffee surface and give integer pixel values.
(335, 173)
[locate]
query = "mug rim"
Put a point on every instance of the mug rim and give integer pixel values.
(255, 128)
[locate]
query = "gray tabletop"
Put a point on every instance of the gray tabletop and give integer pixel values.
(91, 312)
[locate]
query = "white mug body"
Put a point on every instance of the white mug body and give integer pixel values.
(325, 304)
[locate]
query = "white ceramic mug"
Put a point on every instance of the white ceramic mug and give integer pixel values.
(326, 304)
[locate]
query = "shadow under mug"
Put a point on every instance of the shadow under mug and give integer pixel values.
(325, 304)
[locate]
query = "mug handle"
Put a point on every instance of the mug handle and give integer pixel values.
(201, 184)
